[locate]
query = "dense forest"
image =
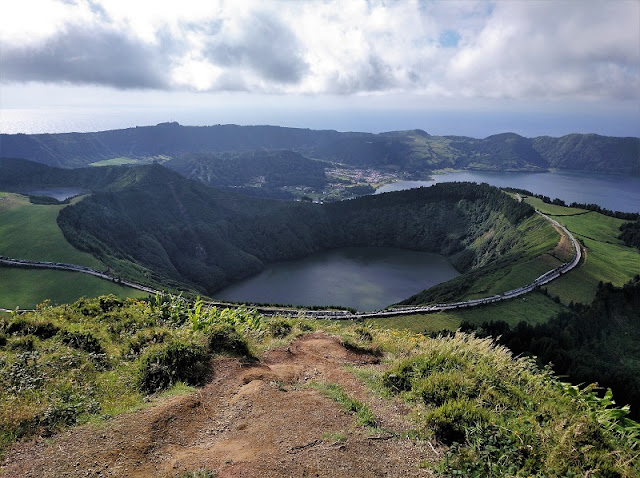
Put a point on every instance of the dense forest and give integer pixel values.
(257, 173)
(595, 343)
(413, 151)
(181, 231)
(631, 233)
(19, 175)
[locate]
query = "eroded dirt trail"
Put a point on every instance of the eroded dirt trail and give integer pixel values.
(251, 420)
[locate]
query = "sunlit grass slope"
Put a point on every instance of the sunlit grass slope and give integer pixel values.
(30, 231)
(533, 308)
(490, 414)
(606, 258)
(26, 288)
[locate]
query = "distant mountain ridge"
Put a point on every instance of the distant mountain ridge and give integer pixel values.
(412, 151)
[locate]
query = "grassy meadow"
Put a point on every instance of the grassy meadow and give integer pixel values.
(533, 308)
(26, 288)
(30, 231)
(606, 258)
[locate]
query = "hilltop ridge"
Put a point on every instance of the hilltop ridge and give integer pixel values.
(410, 151)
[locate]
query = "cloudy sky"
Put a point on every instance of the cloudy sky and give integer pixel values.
(449, 67)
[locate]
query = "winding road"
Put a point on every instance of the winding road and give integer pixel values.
(338, 314)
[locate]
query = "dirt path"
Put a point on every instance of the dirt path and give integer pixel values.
(257, 420)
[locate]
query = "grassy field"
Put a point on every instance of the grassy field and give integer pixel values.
(533, 308)
(26, 288)
(30, 231)
(607, 259)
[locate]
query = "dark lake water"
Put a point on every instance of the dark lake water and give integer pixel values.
(365, 278)
(615, 192)
(58, 193)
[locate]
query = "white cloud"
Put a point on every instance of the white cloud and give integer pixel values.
(514, 49)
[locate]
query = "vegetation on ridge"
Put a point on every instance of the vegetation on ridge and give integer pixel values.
(494, 414)
(595, 343)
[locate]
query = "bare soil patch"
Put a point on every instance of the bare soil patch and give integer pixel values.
(251, 420)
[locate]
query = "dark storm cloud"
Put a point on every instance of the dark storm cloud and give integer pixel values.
(84, 56)
(266, 46)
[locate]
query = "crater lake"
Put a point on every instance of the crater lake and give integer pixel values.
(364, 278)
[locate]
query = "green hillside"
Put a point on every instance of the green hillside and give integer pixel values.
(26, 288)
(487, 412)
(412, 151)
(607, 258)
(186, 233)
(30, 231)
(260, 173)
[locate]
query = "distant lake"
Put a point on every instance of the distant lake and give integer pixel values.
(58, 193)
(615, 192)
(365, 278)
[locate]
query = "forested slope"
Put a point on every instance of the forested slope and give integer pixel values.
(595, 343)
(413, 151)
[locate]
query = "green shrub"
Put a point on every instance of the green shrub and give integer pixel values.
(143, 339)
(411, 371)
(173, 362)
(451, 421)
(26, 343)
(437, 389)
(82, 341)
(279, 328)
(23, 326)
(25, 373)
(225, 339)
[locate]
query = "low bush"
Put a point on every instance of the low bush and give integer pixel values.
(142, 340)
(24, 326)
(174, 362)
(225, 339)
(502, 416)
(81, 340)
(279, 328)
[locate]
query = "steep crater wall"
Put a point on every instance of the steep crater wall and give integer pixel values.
(184, 233)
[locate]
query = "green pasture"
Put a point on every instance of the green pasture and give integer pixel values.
(26, 288)
(533, 308)
(553, 209)
(606, 258)
(604, 263)
(593, 225)
(30, 231)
